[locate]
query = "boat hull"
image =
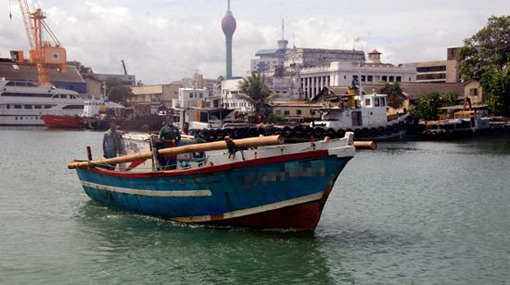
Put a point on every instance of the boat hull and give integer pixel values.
(61, 122)
(283, 192)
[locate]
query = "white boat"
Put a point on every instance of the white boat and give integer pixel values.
(22, 104)
(365, 115)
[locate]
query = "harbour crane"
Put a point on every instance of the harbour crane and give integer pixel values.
(124, 67)
(43, 53)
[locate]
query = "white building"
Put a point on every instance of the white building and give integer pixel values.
(314, 79)
(189, 104)
(229, 96)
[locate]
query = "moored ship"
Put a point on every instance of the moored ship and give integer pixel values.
(22, 104)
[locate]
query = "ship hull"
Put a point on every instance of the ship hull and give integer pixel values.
(61, 122)
(281, 192)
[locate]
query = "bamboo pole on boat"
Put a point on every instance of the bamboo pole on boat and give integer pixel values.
(241, 143)
(365, 145)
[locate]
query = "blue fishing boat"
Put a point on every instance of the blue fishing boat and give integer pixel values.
(282, 186)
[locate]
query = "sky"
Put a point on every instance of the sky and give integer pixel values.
(165, 40)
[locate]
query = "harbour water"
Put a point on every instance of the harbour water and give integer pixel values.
(408, 213)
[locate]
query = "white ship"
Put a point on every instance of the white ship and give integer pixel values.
(365, 115)
(22, 104)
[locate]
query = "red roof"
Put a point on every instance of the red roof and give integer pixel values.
(375, 51)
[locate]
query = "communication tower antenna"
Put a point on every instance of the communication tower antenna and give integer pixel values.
(283, 29)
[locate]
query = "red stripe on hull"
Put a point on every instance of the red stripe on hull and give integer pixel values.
(302, 217)
(53, 121)
(212, 169)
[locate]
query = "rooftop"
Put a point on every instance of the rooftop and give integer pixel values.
(12, 71)
(415, 90)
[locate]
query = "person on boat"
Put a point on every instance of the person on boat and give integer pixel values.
(169, 136)
(185, 129)
(112, 141)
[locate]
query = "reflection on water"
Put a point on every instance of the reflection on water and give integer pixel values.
(200, 254)
(408, 213)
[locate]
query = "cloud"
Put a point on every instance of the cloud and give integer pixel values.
(163, 41)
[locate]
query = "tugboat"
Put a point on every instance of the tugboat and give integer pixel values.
(365, 115)
(91, 109)
(256, 182)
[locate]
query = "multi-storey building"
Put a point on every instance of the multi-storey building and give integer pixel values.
(154, 95)
(440, 71)
(314, 79)
(190, 103)
(229, 96)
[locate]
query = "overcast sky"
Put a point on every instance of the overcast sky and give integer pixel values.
(165, 40)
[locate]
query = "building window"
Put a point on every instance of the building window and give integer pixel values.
(200, 95)
(8, 106)
(376, 102)
(369, 79)
(298, 112)
(17, 106)
(28, 106)
(473, 92)
(384, 78)
(367, 102)
(278, 112)
(363, 78)
(399, 78)
(37, 106)
(190, 95)
(286, 113)
(431, 68)
(392, 78)
(383, 101)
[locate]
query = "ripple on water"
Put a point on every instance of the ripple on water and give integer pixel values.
(409, 213)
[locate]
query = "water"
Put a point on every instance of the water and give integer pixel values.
(408, 213)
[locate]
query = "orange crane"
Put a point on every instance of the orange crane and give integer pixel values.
(43, 53)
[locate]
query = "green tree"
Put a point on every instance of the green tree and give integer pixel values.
(427, 107)
(82, 69)
(396, 97)
(449, 99)
(486, 56)
(276, 119)
(254, 90)
(116, 91)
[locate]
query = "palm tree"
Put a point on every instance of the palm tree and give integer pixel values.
(427, 106)
(395, 97)
(254, 90)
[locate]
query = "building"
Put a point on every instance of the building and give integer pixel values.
(415, 90)
(228, 25)
(271, 59)
(70, 80)
(440, 71)
(198, 81)
(94, 87)
(229, 97)
(154, 95)
(190, 103)
(296, 110)
(301, 73)
(346, 73)
(127, 80)
(474, 91)
(312, 57)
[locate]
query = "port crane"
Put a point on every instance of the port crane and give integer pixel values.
(45, 49)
